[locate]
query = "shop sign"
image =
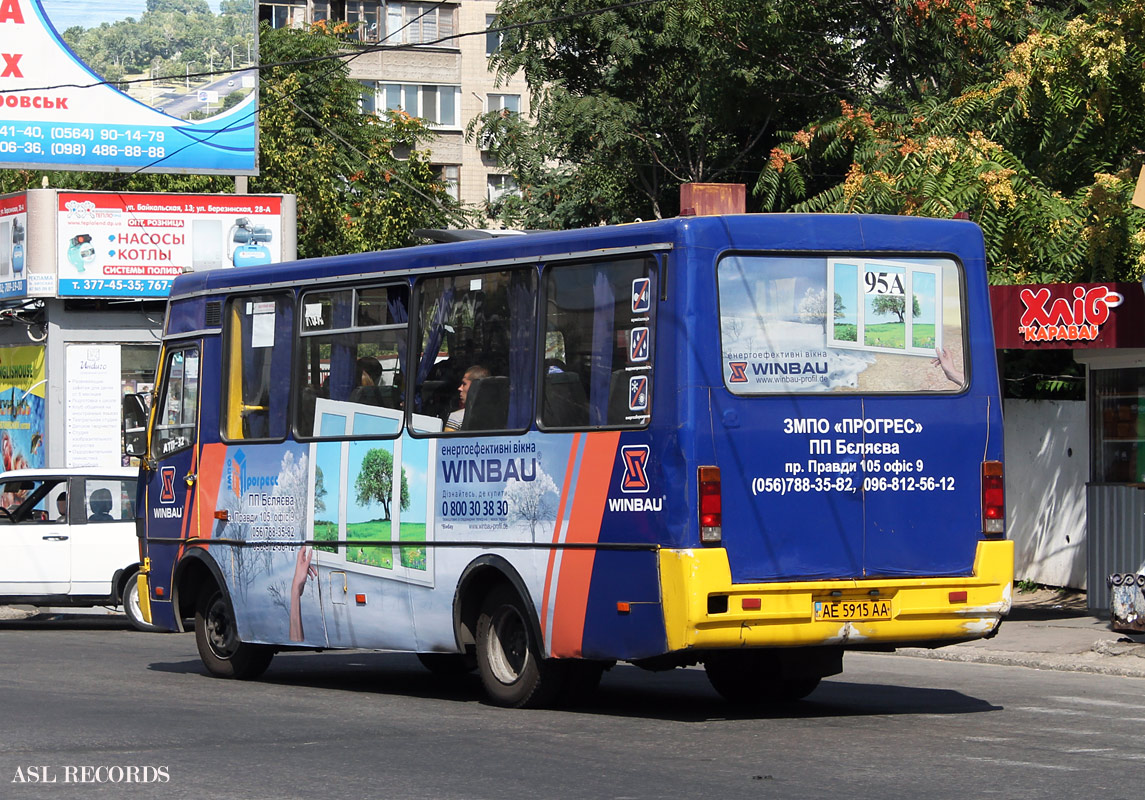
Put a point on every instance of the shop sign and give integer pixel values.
(1068, 315)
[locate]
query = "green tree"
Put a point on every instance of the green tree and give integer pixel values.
(631, 102)
(1043, 153)
(375, 483)
(354, 192)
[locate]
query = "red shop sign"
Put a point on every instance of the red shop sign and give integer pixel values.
(1073, 316)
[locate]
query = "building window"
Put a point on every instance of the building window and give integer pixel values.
(450, 176)
(283, 14)
(504, 102)
(435, 104)
(492, 38)
(498, 186)
(421, 23)
(368, 17)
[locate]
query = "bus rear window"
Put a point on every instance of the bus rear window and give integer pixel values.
(859, 324)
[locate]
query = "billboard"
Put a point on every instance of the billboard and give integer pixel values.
(13, 235)
(114, 244)
(22, 380)
(133, 86)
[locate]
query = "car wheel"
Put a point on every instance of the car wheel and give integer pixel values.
(131, 606)
(216, 637)
(509, 659)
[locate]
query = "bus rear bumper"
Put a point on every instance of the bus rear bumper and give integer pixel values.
(703, 609)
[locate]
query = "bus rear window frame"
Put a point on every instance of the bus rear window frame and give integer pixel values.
(825, 255)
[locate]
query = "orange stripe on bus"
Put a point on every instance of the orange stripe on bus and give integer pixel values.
(210, 475)
(557, 532)
(584, 527)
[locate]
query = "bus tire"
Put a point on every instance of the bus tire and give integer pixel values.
(130, 600)
(513, 671)
(752, 678)
(216, 637)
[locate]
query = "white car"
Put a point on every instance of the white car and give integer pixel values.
(68, 538)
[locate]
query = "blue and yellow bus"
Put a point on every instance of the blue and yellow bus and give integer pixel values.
(751, 442)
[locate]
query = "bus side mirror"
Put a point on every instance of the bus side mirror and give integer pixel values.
(134, 425)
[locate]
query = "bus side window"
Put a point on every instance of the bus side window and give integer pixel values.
(600, 317)
(353, 343)
(179, 404)
(477, 333)
(257, 334)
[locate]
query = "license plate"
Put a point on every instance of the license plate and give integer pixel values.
(852, 610)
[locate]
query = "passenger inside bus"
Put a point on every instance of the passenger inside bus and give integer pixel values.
(457, 418)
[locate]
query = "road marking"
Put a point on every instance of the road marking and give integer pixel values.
(1005, 762)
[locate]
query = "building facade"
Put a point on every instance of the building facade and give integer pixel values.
(430, 60)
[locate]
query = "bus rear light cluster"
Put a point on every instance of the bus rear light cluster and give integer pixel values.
(993, 499)
(711, 515)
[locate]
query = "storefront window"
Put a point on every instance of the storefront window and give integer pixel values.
(1118, 403)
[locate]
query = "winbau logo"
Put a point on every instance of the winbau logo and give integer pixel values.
(167, 494)
(635, 480)
(635, 473)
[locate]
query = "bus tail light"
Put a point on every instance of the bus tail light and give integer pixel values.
(993, 499)
(710, 506)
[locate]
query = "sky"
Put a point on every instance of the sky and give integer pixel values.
(66, 13)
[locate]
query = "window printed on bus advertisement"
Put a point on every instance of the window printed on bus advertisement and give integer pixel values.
(841, 324)
(371, 492)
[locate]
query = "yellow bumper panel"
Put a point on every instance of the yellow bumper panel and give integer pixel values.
(144, 595)
(704, 609)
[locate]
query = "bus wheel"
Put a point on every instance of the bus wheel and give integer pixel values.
(446, 664)
(131, 608)
(216, 637)
(508, 654)
(753, 678)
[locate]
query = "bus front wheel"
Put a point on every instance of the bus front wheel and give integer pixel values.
(216, 636)
(513, 671)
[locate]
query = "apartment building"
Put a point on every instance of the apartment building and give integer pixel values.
(431, 60)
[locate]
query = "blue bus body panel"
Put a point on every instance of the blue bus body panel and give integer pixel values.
(813, 519)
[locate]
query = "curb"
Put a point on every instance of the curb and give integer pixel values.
(1121, 659)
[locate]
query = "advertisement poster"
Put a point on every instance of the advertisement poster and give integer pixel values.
(134, 245)
(93, 406)
(134, 86)
(815, 324)
(22, 382)
(13, 232)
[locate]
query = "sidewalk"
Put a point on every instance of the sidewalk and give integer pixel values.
(1051, 629)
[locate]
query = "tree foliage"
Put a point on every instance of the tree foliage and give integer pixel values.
(363, 182)
(1042, 153)
(633, 101)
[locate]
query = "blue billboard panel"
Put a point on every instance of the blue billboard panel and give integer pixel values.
(191, 109)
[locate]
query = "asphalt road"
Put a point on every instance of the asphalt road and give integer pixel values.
(90, 692)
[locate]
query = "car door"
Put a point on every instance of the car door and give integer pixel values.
(103, 538)
(35, 550)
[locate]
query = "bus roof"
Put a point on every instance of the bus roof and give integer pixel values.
(779, 232)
